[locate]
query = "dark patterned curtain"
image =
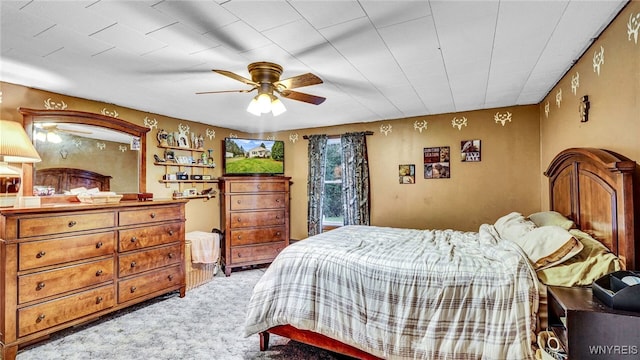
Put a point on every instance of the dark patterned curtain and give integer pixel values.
(355, 179)
(315, 183)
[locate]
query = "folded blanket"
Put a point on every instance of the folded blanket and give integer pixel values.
(205, 247)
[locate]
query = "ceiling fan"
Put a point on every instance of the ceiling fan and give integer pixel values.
(265, 78)
(50, 132)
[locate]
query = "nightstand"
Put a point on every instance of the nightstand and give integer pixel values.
(588, 329)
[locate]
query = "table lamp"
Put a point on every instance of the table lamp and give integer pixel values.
(15, 147)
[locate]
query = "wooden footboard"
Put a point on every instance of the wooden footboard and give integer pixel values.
(313, 339)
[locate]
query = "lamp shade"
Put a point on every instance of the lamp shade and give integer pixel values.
(15, 146)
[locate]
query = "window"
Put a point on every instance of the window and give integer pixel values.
(332, 205)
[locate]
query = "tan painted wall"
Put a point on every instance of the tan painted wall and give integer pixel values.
(505, 180)
(614, 93)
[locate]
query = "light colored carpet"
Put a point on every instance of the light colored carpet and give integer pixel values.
(206, 324)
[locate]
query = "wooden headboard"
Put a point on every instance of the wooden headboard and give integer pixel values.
(69, 178)
(594, 188)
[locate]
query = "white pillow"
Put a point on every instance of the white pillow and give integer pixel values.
(546, 218)
(547, 246)
(513, 226)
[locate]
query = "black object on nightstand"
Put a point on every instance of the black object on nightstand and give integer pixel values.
(588, 329)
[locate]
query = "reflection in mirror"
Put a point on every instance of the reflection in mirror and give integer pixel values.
(78, 155)
(81, 149)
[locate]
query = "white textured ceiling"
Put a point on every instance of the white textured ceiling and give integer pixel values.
(378, 59)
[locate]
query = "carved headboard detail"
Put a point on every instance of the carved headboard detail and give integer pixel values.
(594, 188)
(69, 178)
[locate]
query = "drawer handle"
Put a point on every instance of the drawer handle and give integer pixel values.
(133, 264)
(277, 200)
(133, 289)
(239, 255)
(99, 272)
(170, 232)
(170, 255)
(99, 245)
(41, 254)
(99, 299)
(239, 201)
(134, 239)
(278, 233)
(72, 223)
(153, 215)
(239, 220)
(40, 286)
(259, 187)
(239, 237)
(40, 318)
(278, 217)
(170, 277)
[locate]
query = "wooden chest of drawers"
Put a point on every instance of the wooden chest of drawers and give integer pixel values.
(64, 265)
(255, 219)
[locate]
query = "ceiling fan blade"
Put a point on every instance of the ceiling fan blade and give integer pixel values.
(227, 91)
(308, 98)
(235, 76)
(299, 81)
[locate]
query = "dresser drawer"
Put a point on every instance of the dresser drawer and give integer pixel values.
(149, 283)
(52, 313)
(48, 283)
(155, 214)
(64, 223)
(140, 261)
(242, 254)
(257, 218)
(256, 236)
(138, 238)
(258, 201)
(50, 252)
(254, 186)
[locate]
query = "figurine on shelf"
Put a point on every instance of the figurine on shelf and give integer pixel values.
(200, 142)
(170, 140)
(162, 137)
(210, 160)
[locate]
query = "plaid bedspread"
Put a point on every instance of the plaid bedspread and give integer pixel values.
(403, 293)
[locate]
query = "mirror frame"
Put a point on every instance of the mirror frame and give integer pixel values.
(31, 116)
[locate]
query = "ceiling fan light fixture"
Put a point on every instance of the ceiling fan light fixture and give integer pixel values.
(254, 107)
(277, 107)
(264, 101)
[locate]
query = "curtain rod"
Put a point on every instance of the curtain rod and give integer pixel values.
(306, 137)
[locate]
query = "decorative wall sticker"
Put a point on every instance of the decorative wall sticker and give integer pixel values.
(101, 146)
(0, 97)
(233, 136)
(559, 97)
(502, 118)
(546, 109)
(293, 138)
(150, 123)
(575, 83)
(437, 162)
(385, 129)
(459, 122)
(271, 138)
(211, 133)
(122, 148)
(633, 26)
(113, 114)
(52, 105)
(598, 60)
(470, 150)
(420, 125)
(77, 142)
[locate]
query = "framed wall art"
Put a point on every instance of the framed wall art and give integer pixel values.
(407, 174)
(470, 151)
(437, 162)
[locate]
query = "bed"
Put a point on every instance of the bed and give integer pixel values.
(64, 179)
(474, 295)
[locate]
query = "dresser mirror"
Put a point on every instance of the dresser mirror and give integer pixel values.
(80, 149)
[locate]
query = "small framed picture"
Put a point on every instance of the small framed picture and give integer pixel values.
(183, 140)
(407, 174)
(437, 162)
(470, 151)
(135, 143)
(169, 156)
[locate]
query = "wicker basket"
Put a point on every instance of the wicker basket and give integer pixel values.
(197, 274)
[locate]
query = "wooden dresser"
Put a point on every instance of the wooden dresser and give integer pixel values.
(67, 264)
(255, 219)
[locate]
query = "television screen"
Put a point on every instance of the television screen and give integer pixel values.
(253, 157)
